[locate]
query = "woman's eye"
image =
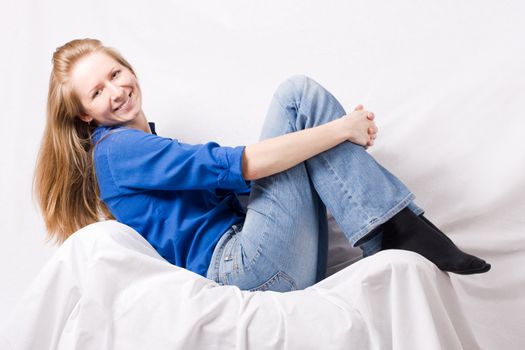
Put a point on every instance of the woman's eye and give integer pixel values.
(115, 73)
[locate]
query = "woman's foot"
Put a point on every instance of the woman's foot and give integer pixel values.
(408, 231)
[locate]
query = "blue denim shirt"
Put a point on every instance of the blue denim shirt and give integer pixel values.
(180, 197)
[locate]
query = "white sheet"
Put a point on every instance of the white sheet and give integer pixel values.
(107, 288)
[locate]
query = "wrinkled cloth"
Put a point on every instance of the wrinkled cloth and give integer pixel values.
(107, 288)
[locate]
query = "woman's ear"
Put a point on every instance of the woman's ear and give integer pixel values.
(85, 118)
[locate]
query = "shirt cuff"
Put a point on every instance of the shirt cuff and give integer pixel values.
(234, 179)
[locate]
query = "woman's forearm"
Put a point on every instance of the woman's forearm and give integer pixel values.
(280, 153)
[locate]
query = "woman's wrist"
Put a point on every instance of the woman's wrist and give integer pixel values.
(340, 129)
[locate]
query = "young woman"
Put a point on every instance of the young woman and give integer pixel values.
(101, 158)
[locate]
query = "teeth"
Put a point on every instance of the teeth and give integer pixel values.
(118, 108)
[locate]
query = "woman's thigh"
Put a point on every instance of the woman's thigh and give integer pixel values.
(285, 227)
(277, 246)
(282, 227)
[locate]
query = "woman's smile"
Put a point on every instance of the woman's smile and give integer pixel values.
(126, 105)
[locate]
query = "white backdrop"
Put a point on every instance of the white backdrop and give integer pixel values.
(208, 69)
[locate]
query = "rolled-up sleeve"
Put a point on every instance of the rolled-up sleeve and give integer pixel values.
(234, 157)
(141, 161)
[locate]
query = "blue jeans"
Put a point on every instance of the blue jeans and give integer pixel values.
(282, 244)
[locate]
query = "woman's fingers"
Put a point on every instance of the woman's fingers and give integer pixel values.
(372, 128)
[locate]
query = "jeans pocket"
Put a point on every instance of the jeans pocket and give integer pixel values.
(279, 282)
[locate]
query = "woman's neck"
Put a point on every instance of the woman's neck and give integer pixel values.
(140, 123)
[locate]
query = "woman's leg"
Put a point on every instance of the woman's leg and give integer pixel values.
(358, 191)
(277, 247)
(282, 243)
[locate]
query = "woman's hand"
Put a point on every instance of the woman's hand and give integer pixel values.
(361, 127)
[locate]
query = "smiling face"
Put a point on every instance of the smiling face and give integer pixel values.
(108, 91)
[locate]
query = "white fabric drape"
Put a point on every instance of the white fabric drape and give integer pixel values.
(107, 288)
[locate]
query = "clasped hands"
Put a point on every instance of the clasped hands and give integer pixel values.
(362, 127)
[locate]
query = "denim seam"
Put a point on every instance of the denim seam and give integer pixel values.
(249, 265)
(272, 280)
(370, 250)
(216, 265)
(295, 105)
(236, 249)
(229, 248)
(299, 104)
(291, 121)
(382, 219)
(356, 204)
(217, 256)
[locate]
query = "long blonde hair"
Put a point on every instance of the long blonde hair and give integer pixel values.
(65, 181)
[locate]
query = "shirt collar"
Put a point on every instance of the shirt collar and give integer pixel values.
(102, 130)
(152, 127)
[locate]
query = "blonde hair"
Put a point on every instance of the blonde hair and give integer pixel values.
(65, 181)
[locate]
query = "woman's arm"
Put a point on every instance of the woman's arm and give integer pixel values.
(280, 153)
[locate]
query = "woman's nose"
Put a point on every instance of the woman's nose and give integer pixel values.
(117, 92)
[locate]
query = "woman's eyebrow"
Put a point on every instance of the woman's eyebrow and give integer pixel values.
(96, 86)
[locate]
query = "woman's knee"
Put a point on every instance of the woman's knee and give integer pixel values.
(290, 90)
(297, 87)
(297, 80)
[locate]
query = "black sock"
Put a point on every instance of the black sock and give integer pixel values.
(408, 231)
(428, 222)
